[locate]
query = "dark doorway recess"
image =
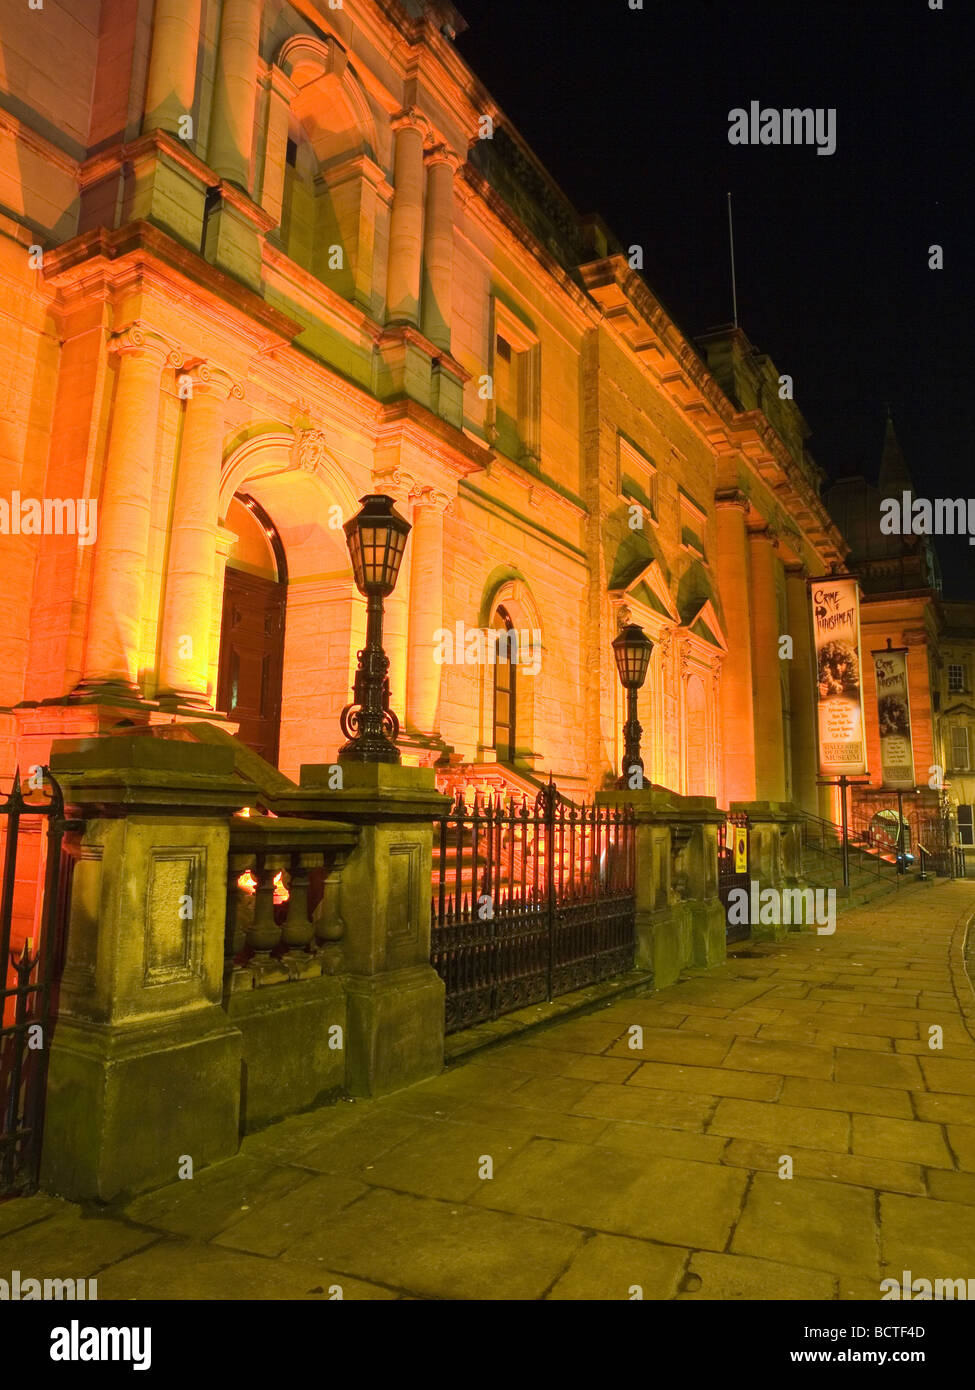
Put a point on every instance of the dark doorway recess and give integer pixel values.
(252, 649)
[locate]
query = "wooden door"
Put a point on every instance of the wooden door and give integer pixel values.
(252, 659)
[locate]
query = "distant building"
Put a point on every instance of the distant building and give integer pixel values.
(902, 604)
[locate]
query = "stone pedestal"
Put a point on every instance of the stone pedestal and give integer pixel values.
(395, 999)
(774, 854)
(144, 1066)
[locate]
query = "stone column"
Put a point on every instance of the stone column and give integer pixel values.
(737, 711)
(426, 611)
(769, 727)
(802, 692)
(438, 246)
(171, 85)
(184, 657)
(118, 583)
(235, 91)
(406, 222)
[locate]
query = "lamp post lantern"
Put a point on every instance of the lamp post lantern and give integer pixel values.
(632, 649)
(376, 537)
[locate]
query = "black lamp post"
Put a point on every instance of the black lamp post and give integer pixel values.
(632, 649)
(376, 538)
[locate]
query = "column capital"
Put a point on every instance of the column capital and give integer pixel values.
(143, 342)
(764, 533)
(395, 482)
(411, 119)
(732, 497)
(429, 499)
(211, 380)
(797, 570)
(442, 154)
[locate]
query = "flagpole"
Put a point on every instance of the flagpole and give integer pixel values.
(731, 242)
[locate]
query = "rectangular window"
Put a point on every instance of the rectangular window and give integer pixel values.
(959, 748)
(966, 825)
(516, 372)
(956, 679)
(638, 477)
(693, 526)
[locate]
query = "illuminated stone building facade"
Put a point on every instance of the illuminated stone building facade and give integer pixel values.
(260, 259)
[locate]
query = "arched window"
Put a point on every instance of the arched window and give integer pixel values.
(505, 686)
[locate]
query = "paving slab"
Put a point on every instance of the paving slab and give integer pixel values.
(832, 1095)
(671, 1109)
(878, 1174)
(861, 1067)
(614, 1268)
(713, 1081)
(197, 1271)
(781, 1058)
(734, 1277)
(75, 1244)
(435, 1249)
(658, 1198)
(933, 1239)
(913, 1141)
(782, 1124)
(817, 1225)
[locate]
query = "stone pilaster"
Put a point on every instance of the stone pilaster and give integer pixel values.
(184, 657)
(115, 616)
(737, 711)
(426, 611)
(406, 221)
(438, 246)
(766, 664)
(802, 693)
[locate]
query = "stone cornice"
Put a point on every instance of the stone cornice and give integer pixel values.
(488, 207)
(48, 151)
(407, 421)
(625, 300)
(107, 261)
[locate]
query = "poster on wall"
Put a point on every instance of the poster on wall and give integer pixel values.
(741, 849)
(839, 704)
(894, 717)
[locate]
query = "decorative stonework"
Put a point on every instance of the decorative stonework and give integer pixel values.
(401, 922)
(310, 447)
(174, 906)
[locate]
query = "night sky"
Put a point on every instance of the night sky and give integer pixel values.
(629, 109)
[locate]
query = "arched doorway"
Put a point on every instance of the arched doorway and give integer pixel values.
(252, 632)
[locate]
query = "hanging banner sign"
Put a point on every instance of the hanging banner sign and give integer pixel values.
(836, 628)
(741, 849)
(894, 717)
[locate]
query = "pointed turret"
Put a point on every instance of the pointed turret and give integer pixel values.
(895, 477)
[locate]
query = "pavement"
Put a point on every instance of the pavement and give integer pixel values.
(642, 1150)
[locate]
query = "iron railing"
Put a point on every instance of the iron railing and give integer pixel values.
(728, 877)
(529, 901)
(31, 942)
